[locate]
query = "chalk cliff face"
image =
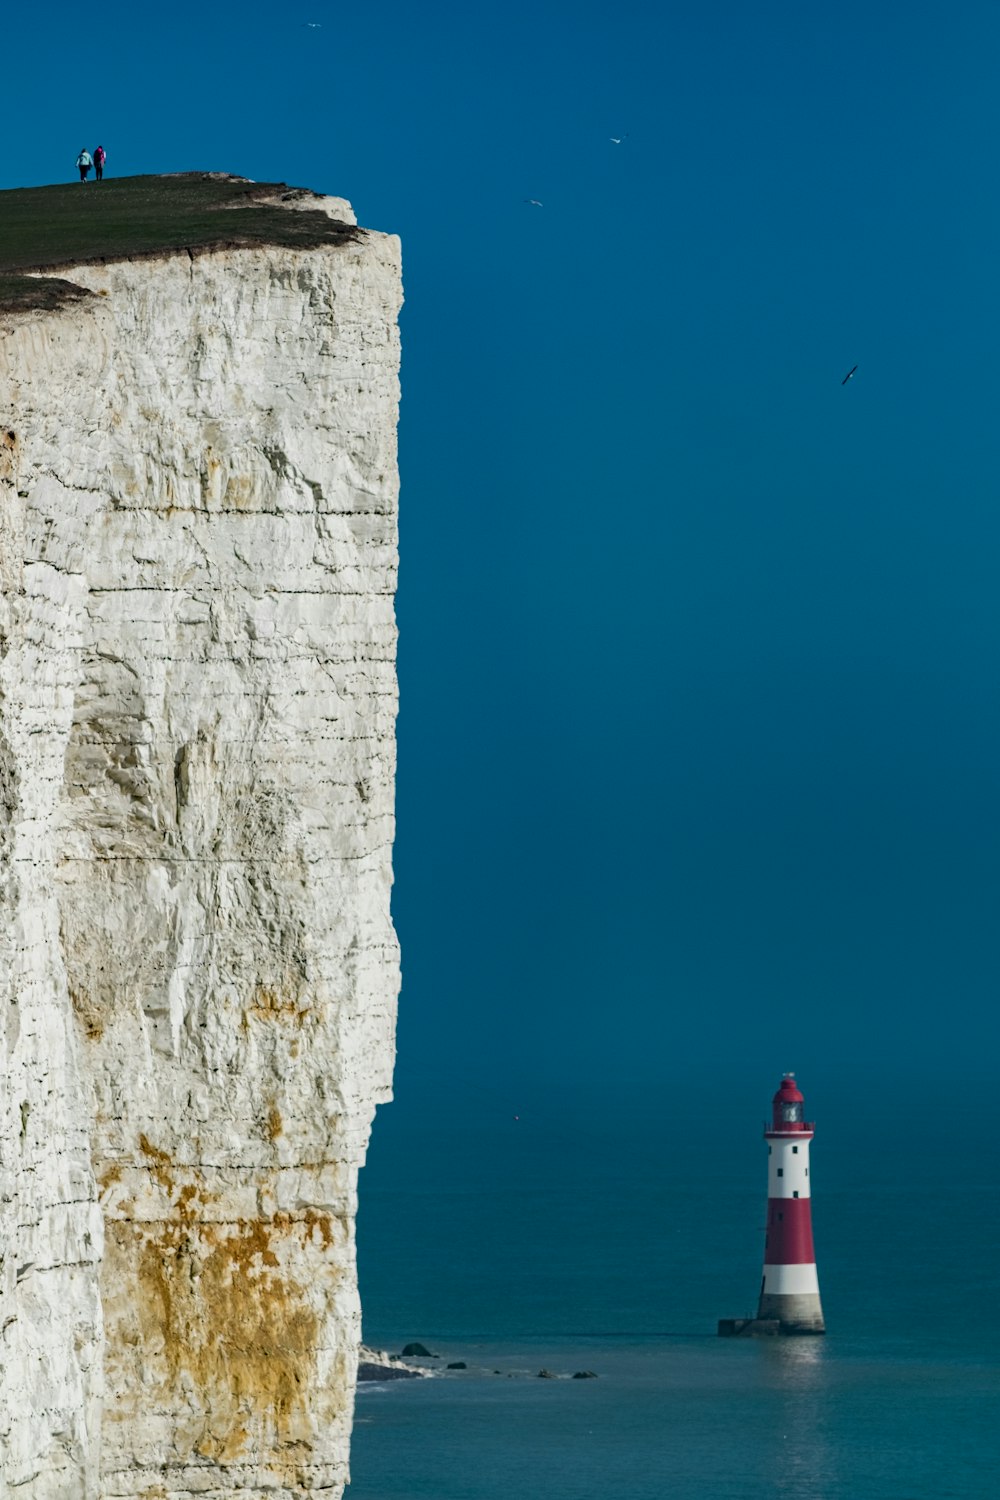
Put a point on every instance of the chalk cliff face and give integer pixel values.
(198, 970)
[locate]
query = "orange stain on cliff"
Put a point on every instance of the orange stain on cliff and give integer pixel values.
(214, 1321)
(280, 1002)
(216, 1314)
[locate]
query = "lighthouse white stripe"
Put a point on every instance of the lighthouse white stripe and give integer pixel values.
(788, 1170)
(790, 1280)
(783, 1187)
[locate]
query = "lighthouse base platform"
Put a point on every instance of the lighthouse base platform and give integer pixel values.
(797, 1312)
(735, 1328)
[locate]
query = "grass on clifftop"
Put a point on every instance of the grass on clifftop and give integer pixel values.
(123, 217)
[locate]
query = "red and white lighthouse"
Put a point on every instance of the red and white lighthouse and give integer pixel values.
(789, 1291)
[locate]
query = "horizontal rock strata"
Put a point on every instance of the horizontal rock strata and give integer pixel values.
(198, 970)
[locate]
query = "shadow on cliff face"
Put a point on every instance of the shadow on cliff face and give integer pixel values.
(38, 293)
(127, 218)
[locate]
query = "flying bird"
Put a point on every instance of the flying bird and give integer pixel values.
(618, 138)
(535, 202)
(313, 25)
(847, 377)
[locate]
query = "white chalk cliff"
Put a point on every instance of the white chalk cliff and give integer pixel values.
(198, 970)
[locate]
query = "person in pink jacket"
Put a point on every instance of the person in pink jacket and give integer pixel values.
(100, 157)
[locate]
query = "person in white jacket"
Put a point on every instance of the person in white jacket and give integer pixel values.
(85, 163)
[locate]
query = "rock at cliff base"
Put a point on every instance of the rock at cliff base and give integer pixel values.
(417, 1351)
(367, 1370)
(375, 1364)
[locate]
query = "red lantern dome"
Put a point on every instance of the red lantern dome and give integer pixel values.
(788, 1109)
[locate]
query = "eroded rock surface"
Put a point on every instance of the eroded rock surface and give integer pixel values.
(198, 970)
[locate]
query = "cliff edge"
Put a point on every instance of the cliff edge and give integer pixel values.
(198, 971)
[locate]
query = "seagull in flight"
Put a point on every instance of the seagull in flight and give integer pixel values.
(535, 201)
(848, 376)
(617, 139)
(313, 25)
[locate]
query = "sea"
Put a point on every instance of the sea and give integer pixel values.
(609, 1236)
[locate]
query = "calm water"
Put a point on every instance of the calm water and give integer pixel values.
(517, 1245)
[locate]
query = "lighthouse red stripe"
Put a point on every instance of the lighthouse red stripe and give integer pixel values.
(789, 1232)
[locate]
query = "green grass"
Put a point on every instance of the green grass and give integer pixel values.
(124, 217)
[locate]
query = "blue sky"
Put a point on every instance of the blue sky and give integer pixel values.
(700, 728)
